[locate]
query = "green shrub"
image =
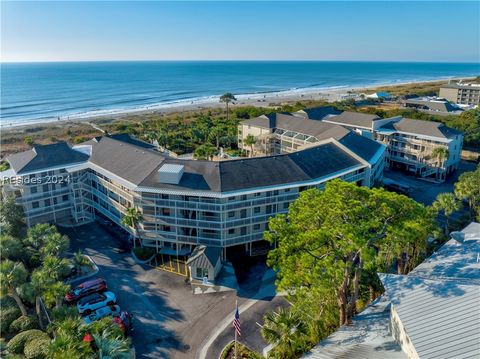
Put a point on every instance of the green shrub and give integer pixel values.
(18, 342)
(37, 348)
(22, 324)
(7, 302)
(143, 253)
(7, 316)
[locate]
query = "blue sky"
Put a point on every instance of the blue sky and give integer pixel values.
(383, 31)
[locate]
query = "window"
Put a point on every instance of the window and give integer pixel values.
(256, 227)
(285, 205)
(35, 205)
(47, 202)
(45, 188)
(231, 214)
(33, 189)
(202, 272)
(231, 231)
(65, 198)
(243, 231)
(166, 211)
(256, 210)
(231, 198)
(287, 189)
(257, 194)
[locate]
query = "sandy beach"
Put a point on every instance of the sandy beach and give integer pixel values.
(272, 99)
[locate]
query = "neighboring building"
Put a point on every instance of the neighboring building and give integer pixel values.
(205, 262)
(318, 113)
(281, 133)
(431, 313)
(361, 123)
(380, 95)
(434, 105)
(184, 203)
(465, 94)
(411, 145)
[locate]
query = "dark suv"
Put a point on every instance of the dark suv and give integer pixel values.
(89, 287)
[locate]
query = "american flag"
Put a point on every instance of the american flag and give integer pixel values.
(236, 321)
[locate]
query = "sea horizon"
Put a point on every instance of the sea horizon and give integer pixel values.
(38, 92)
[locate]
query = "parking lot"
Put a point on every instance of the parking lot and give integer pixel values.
(169, 320)
(426, 192)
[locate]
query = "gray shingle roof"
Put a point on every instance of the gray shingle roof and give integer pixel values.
(45, 156)
(317, 113)
(420, 127)
(434, 105)
(360, 145)
(308, 164)
(440, 317)
(125, 160)
(348, 118)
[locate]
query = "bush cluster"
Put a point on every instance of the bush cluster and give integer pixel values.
(7, 316)
(17, 344)
(37, 348)
(22, 324)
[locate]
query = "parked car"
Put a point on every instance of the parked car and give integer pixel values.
(103, 312)
(125, 321)
(86, 288)
(88, 304)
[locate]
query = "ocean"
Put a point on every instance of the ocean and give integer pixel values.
(42, 92)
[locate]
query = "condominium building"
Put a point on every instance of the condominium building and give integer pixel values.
(184, 203)
(280, 133)
(414, 146)
(465, 94)
(411, 144)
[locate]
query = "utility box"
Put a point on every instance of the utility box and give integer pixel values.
(170, 173)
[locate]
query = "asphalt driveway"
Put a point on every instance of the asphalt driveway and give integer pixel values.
(169, 320)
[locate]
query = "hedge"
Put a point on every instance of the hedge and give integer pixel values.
(37, 348)
(18, 342)
(7, 302)
(143, 253)
(22, 324)
(7, 316)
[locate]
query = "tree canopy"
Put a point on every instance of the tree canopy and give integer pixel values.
(330, 237)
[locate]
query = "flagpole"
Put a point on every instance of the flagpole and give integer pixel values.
(235, 354)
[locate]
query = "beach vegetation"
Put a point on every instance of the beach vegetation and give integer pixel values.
(331, 244)
(447, 204)
(28, 141)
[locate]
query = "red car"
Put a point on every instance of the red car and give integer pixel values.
(124, 321)
(89, 287)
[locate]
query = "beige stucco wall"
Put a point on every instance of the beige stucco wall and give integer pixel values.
(400, 335)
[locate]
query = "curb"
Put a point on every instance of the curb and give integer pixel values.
(91, 274)
(139, 261)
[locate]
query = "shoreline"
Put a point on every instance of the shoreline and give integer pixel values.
(269, 99)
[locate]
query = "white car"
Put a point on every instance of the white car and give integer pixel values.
(103, 312)
(88, 304)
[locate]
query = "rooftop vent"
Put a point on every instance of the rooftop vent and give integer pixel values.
(170, 173)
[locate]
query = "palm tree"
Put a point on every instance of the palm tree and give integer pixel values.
(250, 140)
(80, 262)
(206, 151)
(227, 98)
(467, 188)
(448, 203)
(112, 348)
(284, 330)
(441, 154)
(132, 217)
(12, 276)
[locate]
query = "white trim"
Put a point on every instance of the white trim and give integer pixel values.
(50, 169)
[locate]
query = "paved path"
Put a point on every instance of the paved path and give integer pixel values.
(169, 320)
